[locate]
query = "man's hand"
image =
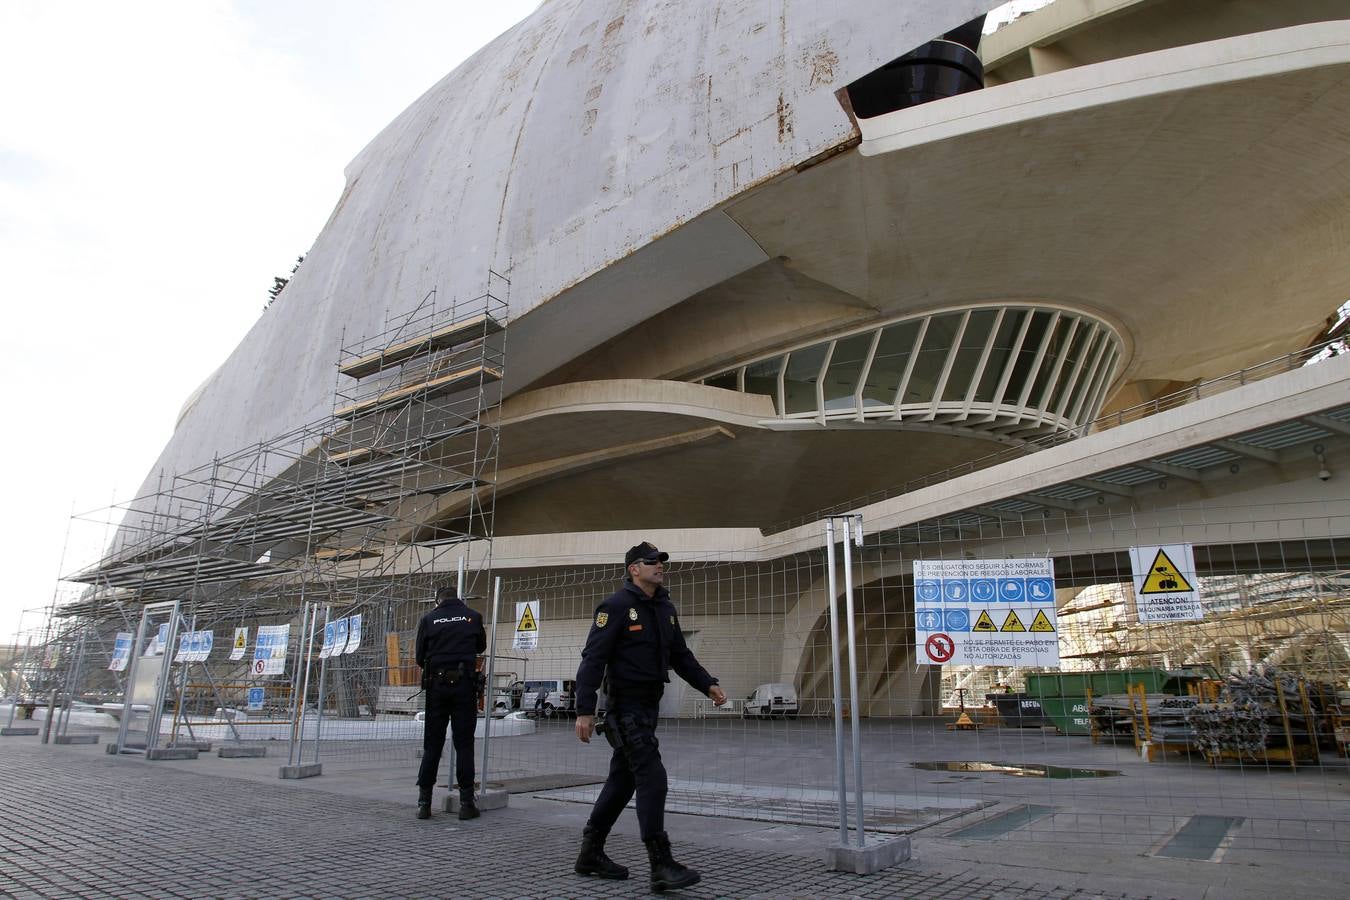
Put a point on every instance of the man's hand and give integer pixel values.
(585, 728)
(718, 695)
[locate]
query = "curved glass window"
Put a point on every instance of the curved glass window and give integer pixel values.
(846, 366)
(762, 378)
(801, 377)
(890, 365)
(1018, 369)
(968, 354)
(727, 380)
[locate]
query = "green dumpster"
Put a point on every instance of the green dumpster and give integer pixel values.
(1070, 714)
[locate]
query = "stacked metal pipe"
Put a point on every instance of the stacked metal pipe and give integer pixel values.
(1248, 713)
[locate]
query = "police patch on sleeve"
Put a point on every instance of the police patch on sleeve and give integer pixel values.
(601, 619)
(632, 613)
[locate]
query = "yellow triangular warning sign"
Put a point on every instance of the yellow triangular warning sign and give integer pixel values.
(984, 623)
(1012, 623)
(527, 622)
(240, 640)
(1164, 577)
(1041, 623)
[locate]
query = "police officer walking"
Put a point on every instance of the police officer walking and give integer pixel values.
(449, 638)
(635, 640)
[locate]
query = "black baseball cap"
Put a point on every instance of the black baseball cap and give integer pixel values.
(645, 550)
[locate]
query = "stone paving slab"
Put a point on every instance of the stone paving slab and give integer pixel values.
(76, 824)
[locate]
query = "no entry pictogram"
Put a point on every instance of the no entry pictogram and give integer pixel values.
(939, 647)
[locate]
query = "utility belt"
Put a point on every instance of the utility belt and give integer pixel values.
(446, 675)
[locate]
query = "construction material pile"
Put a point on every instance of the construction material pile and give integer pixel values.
(1247, 714)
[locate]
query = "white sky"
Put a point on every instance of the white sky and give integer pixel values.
(160, 162)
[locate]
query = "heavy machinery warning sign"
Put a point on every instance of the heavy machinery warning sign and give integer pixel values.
(1165, 583)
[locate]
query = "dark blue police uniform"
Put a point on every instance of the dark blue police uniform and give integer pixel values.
(449, 638)
(634, 642)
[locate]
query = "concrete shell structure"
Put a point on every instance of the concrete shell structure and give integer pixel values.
(724, 285)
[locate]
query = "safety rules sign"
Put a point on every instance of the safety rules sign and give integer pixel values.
(986, 612)
(1165, 586)
(527, 626)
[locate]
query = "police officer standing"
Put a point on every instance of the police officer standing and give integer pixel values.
(635, 640)
(449, 638)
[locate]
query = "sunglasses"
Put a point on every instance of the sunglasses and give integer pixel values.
(651, 562)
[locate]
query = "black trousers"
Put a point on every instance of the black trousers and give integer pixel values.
(635, 766)
(455, 705)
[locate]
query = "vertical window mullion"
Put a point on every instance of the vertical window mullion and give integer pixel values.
(979, 368)
(1060, 359)
(909, 367)
(1036, 365)
(1072, 384)
(782, 394)
(820, 382)
(1086, 390)
(947, 367)
(862, 376)
(1010, 366)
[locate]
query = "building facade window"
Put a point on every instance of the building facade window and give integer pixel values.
(1014, 369)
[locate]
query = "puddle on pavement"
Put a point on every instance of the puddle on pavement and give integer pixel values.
(1018, 770)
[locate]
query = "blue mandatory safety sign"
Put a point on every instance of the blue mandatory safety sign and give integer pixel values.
(955, 590)
(1041, 589)
(1011, 590)
(255, 698)
(928, 619)
(956, 619)
(929, 590)
(983, 590)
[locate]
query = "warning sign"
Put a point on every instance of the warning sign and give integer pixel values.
(527, 626)
(1165, 583)
(939, 647)
(527, 622)
(1164, 577)
(986, 612)
(240, 643)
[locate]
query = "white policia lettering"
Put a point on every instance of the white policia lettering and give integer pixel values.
(453, 619)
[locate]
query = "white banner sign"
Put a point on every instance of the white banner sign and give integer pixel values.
(269, 654)
(121, 653)
(986, 612)
(240, 645)
(194, 646)
(527, 626)
(1165, 586)
(353, 633)
(329, 634)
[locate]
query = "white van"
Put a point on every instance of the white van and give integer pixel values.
(768, 700)
(549, 697)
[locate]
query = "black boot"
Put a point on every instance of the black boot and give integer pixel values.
(592, 859)
(667, 874)
(467, 808)
(424, 803)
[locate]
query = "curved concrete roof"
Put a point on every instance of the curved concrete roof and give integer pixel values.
(574, 140)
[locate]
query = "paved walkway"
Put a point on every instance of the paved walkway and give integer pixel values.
(75, 822)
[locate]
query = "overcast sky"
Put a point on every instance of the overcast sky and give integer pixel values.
(160, 162)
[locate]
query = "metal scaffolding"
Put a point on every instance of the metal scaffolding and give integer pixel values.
(350, 518)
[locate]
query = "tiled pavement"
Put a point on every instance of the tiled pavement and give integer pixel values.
(74, 823)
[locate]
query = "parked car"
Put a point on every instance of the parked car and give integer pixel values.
(549, 697)
(769, 700)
